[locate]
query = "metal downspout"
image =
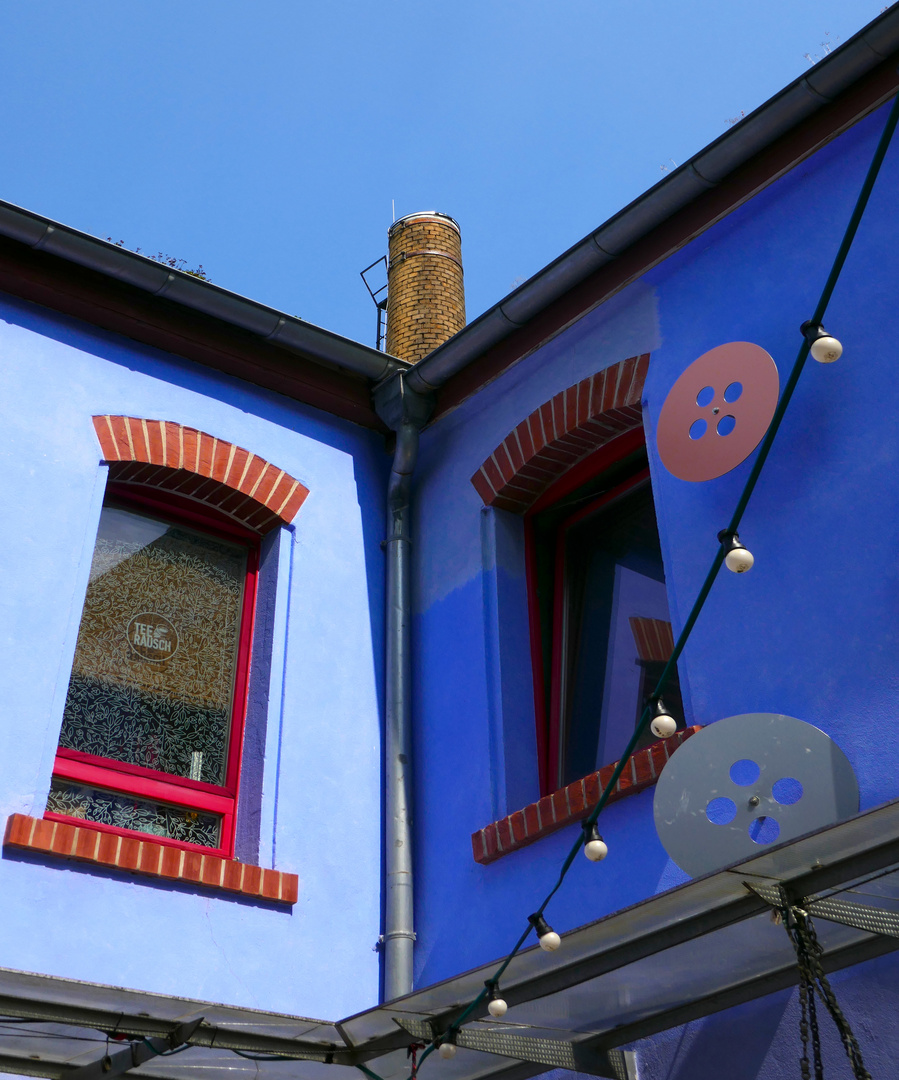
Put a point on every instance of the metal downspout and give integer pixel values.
(405, 413)
(399, 934)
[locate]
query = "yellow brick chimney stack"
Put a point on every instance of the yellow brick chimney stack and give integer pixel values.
(426, 294)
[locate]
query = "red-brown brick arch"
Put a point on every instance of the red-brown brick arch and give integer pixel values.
(199, 466)
(563, 430)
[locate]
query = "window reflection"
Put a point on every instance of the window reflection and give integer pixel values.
(154, 665)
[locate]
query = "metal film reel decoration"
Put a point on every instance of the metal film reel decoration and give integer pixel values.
(717, 412)
(748, 782)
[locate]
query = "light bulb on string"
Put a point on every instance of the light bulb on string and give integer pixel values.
(595, 848)
(736, 557)
(824, 348)
(548, 939)
(663, 723)
(447, 1050)
(496, 1005)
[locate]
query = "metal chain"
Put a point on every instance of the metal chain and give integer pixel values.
(812, 980)
(816, 1035)
(808, 1021)
(803, 1026)
(814, 950)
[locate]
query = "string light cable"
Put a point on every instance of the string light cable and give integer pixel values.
(823, 347)
(168, 1053)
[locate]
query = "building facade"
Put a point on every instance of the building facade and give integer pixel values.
(201, 683)
(106, 434)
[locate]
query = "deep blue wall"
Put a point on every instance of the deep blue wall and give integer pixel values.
(313, 759)
(811, 631)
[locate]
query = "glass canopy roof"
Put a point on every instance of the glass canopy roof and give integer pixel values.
(684, 954)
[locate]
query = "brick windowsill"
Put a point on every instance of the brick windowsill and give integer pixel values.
(574, 802)
(148, 858)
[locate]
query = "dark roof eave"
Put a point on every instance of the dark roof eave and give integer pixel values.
(829, 78)
(275, 327)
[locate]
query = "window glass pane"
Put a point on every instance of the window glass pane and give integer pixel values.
(126, 812)
(154, 669)
(613, 574)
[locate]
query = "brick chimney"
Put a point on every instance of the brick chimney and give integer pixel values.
(426, 295)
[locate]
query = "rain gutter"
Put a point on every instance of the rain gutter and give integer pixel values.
(803, 97)
(268, 324)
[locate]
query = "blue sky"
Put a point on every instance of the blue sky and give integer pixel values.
(269, 139)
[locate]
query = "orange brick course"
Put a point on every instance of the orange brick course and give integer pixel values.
(426, 295)
(556, 436)
(199, 466)
(148, 858)
(574, 802)
(654, 638)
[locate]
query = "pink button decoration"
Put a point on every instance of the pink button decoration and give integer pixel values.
(718, 411)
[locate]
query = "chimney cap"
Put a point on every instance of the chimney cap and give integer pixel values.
(424, 215)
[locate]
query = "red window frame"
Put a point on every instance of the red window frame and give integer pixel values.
(144, 783)
(548, 720)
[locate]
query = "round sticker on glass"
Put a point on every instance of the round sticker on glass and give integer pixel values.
(717, 412)
(152, 636)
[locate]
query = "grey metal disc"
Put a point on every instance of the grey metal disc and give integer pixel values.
(804, 782)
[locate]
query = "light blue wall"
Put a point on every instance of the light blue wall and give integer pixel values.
(321, 792)
(811, 631)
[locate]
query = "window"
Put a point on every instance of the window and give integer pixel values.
(599, 611)
(153, 720)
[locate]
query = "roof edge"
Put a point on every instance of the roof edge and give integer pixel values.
(276, 327)
(707, 169)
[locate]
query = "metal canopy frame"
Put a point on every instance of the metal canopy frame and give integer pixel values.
(613, 982)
